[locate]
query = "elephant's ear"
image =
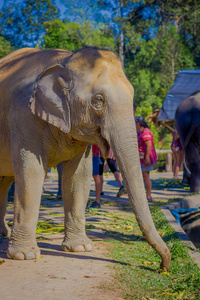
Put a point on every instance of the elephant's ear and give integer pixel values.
(50, 97)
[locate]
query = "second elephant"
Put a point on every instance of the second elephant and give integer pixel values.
(187, 121)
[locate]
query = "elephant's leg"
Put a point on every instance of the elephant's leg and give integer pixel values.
(76, 181)
(192, 161)
(5, 183)
(29, 178)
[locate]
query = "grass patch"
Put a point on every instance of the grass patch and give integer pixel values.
(138, 269)
(166, 183)
(48, 227)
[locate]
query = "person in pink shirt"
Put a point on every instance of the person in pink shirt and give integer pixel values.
(147, 152)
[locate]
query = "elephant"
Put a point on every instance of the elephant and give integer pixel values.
(187, 122)
(54, 105)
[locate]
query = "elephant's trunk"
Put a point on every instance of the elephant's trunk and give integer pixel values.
(125, 147)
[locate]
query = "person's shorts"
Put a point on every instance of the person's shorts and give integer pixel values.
(111, 164)
(147, 169)
(95, 165)
(101, 166)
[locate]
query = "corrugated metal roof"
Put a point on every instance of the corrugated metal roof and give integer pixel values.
(186, 83)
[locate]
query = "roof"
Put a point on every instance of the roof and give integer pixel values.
(186, 83)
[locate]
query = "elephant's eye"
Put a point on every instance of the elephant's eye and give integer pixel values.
(98, 101)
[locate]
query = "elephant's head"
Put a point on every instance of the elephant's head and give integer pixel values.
(90, 98)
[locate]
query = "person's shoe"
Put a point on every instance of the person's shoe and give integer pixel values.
(95, 204)
(149, 199)
(121, 191)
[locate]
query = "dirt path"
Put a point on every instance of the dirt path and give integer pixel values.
(58, 275)
(61, 275)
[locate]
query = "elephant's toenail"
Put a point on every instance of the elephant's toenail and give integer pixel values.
(79, 248)
(38, 255)
(19, 256)
(89, 247)
(8, 255)
(30, 255)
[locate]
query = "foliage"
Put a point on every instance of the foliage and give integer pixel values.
(154, 38)
(137, 269)
(23, 23)
(155, 65)
(5, 47)
(73, 36)
(83, 11)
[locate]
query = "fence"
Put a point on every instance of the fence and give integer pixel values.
(168, 153)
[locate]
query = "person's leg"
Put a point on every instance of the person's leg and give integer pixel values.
(118, 178)
(101, 166)
(179, 159)
(175, 164)
(101, 180)
(113, 167)
(148, 183)
(95, 174)
(97, 187)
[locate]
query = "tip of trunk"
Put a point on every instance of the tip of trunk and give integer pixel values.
(165, 264)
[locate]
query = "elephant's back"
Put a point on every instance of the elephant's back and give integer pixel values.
(190, 103)
(20, 69)
(188, 115)
(32, 59)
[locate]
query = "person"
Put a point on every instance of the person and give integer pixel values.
(177, 151)
(147, 152)
(95, 174)
(111, 161)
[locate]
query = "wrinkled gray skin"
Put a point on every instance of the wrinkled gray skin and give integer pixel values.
(54, 104)
(187, 120)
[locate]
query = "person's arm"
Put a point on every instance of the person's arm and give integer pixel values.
(147, 153)
(177, 136)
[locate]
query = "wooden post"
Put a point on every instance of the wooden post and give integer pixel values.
(168, 153)
(168, 166)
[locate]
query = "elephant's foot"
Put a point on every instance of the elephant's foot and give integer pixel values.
(77, 244)
(22, 251)
(5, 230)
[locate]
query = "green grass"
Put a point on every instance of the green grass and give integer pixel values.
(48, 227)
(137, 270)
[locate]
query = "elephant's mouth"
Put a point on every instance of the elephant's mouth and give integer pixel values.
(104, 146)
(93, 135)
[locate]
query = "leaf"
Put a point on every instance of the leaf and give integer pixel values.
(2, 262)
(180, 295)
(148, 263)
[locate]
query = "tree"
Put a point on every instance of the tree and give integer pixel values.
(22, 23)
(150, 15)
(5, 47)
(118, 16)
(155, 65)
(83, 11)
(110, 13)
(73, 36)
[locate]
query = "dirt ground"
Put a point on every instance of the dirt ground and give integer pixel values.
(62, 275)
(59, 275)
